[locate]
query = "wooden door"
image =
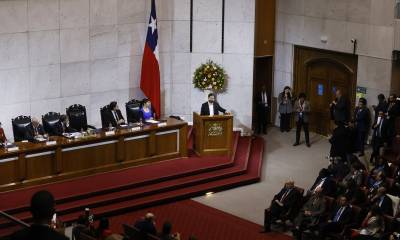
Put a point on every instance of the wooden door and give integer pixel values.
(319, 74)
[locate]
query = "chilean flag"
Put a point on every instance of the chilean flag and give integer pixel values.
(150, 78)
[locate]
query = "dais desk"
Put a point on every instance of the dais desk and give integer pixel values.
(38, 163)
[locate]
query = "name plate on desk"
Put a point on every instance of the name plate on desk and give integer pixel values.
(12, 149)
(110, 133)
(134, 129)
(162, 124)
(50, 143)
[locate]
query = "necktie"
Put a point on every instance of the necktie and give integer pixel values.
(338, 214)
(285, 195)
(116, 116)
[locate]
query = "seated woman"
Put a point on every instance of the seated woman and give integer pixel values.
(372, 227)
(146, 111)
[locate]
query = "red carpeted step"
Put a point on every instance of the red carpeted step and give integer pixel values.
(241, 160)
(252, 175)
(110, 182)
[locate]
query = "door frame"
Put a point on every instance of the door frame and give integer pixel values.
(304, 56)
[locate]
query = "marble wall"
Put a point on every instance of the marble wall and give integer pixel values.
(371, 22)
(54, 53)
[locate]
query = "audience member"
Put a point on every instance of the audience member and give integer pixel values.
(353, 193)
(372, 227)
(285, 108)
(393, 112)
(166, 233)
(147, 224)
(80, 226)
(381, 107)
(42, 208)
(340, 141)
(395, 190)
(282, 206)
(379, 135)
(302, 110)
(338, 169)
(380, 166)
(361, 123)
(382, 201)
(324, 182)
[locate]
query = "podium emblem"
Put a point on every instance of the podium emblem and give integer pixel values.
(215, 129)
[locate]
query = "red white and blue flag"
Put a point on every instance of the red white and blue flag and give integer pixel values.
(150, 78)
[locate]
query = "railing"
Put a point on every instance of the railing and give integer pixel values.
(10, 224)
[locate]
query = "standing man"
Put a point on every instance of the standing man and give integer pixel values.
(341, 108)
(379, 135)
(262, 110)
(302, 110)
(211, 107)
(362, 119)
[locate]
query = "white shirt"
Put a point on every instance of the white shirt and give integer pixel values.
(264, 98)
(211, 108)
(115, 116)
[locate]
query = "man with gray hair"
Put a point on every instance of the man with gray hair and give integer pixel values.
(147, 224)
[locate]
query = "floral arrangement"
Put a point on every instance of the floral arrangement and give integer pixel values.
(209, 76)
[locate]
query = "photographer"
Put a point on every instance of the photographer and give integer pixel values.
(285, 108)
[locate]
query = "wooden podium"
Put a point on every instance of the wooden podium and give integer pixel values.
(213, 135)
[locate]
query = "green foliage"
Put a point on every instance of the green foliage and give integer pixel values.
(209, 76)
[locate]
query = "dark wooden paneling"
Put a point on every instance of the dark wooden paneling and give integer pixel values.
(265, 28)
(167, 143)
(136, 149)
(8, 172)
(40, 166)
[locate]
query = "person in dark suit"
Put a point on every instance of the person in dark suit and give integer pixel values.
(282, 205)
(379, 135)
(383, 201)
(361, 122)
(262, 108)
(341, 108)
(42, 209)
(340, 141)
(393, 111)
(382, 106)
(302, 110)
(211, 107)
(115, 115)
(65, 127)
(324, 182)
(147, 224)
(338, 218)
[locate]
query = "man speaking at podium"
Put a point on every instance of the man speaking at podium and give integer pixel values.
(211, 107)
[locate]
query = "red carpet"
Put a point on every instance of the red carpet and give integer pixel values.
(192, 218)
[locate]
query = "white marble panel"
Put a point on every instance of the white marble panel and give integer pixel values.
(207, 10)
(13, 50)
(131, 11)
(239, 38)
(104, 74)
(181, 10)
(240, 10)
(164, 10)
(396, 34)
(165, 67)
(295, 27)
(283, 57)
(229, 100)
(131, 39)
(14, 86)
(45, 82)
(74, 13)
(361, 33)
(374, 72)
(197, 97)
(124, 73)
(382, 12)
(239, 68)
(83, 100)
(336, 9)
(281, 80)
(41, 107)
(207, 37)
(180, 93)
(337, 35)
(313, 30)
(43, 14)
(181, 36)
(181, 63)
(103, 42)
(8, 112)
(103, 12)
(135, 71)
(44, 47)
(315, 8)
(200, 58)
(381, 41)
(74, 45)
(13, 16)
(291, 6)
(164, 36)
(166, 106)
(359, 11)
(75, 79)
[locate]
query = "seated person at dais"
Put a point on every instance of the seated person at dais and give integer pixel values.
(65, 127)
(282, 205)
(211, 107)
(35, 131)
(146, 110)
(3, 138)
(116, 118)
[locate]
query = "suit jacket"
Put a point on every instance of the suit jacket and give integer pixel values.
(111, 117)
(316, 205)
(38, 232)
(291, 199)
(384, 129)
(30, 132)
(341, 111)
(285, 107)
(146, 227)
(205, 111)
(386, 206)
(362, 119)
(345, 218)
(302, 114)
(340, 141)
(328, 187)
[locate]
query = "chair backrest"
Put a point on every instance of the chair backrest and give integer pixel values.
(21, 125)
(83, 236)
(105, 121)
(133, 233)
(51, 123)
(77, 117)
(133, 111)
(301, 190)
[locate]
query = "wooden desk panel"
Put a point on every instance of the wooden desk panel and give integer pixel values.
(37, 163)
